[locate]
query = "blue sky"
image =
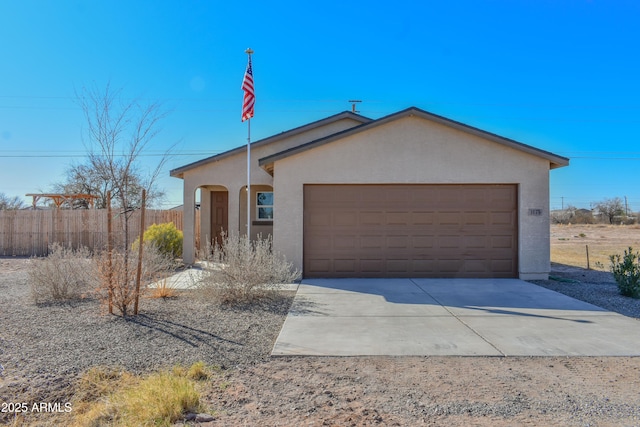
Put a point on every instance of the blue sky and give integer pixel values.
(559, 75)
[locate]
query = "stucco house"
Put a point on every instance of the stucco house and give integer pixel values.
(412, 194)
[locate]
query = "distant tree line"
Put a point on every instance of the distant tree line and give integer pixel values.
(607, 211)
(10, 203)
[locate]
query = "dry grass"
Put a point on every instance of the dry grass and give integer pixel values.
(106, 397)
(197, 372)
(162, 289)
(569, 242)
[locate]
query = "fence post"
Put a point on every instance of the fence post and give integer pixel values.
(588, 267)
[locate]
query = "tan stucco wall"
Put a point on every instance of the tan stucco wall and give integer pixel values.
(414, 150)
(231, 173)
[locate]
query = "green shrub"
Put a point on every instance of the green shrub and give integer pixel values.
(165, 237)
(626, 271)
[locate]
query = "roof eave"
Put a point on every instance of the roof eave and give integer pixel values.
(559, 164)
(555, 160)
(179, 172)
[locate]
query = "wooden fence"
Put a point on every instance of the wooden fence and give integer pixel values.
(29, 233)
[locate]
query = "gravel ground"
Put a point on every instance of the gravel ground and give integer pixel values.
(43, 349)
(593, 286)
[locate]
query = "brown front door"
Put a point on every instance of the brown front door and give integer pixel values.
(413, 230)
(219, 215)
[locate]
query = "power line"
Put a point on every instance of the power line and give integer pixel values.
(268, 101)
(474, 104)
(59, 155)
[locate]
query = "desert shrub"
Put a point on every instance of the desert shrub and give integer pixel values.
(165, 237)
(156, 264)
(65, 274)
(117, 275)
(626, 272)
(156, 269)
(242, 271)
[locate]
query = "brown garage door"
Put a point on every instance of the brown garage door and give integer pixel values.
(410, 230)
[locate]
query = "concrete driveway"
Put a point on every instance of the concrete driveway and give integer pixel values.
(446, 317)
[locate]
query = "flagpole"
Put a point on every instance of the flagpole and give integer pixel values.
(249, 179)
(249, 51)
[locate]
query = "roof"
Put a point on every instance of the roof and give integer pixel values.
(554, 160)
(179, 172)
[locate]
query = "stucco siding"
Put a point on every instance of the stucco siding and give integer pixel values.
(414, 150)
(231, 173)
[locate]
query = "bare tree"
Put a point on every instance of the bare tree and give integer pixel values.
(90, 178)
(610, 208)
(10, 203)
(118, 132)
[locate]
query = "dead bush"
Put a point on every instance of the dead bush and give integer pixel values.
(64, 275)
(117, 280)
(157, 267)
(240, 271)
(117, 275)
(156, 264)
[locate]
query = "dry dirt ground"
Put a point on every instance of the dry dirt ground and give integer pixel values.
(442, 391)
(448, 391)
(569, 243)
(437, 391)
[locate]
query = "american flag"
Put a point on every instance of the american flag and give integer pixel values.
(249, 95)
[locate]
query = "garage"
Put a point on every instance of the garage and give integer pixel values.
(410, 230)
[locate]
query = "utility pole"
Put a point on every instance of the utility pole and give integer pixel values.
(353, 105)
(626, 207)
(562, 197)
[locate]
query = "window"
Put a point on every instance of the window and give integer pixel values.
(265, 205)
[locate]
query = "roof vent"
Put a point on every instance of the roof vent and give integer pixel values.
(353, 105)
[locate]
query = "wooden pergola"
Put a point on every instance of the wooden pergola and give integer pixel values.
(60, 199)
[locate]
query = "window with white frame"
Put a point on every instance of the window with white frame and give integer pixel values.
(264, 205)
